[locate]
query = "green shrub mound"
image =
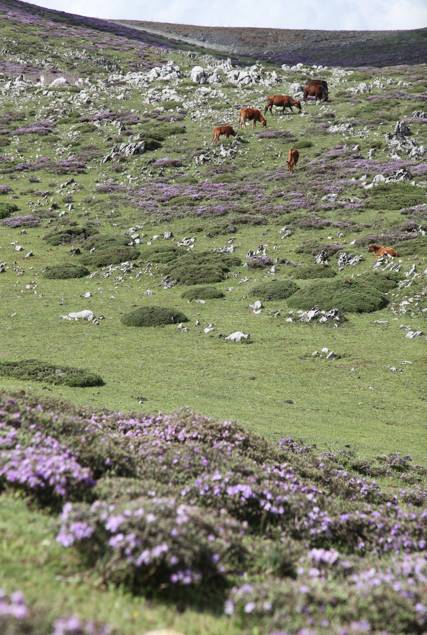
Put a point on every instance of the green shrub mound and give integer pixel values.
(102, 241)
(69, 235)
(351, 296)
(153, 316)
(202, 268)
(161, 253)
(63, 272)
(202, 293)
(276, 290)
(110, 256)
(6, 209)
(416, 247)
(382, 281)
(34, 370)
(314, 271)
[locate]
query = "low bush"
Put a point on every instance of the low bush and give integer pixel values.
(6, 209)
(416, 247)
(202, 293)
(103, 241)
(153, 316)
(202, 268)
(34, 370)
(155, 545)
(349, 296)
(68, 235)
(63, 272)
(303, 144)
(382, 281)
(276, 290)
(161, 253)
(314, 271)
(110, 256)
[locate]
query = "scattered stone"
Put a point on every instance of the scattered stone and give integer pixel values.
(208, 329)
(79, 315)
(410, 335)
(238, 336)
(348, 260)
(256, 307)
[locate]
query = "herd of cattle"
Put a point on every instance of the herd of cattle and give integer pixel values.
(314, 88)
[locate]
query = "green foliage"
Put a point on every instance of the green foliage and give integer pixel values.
(314, 271)
(34, 370)
(110, 256)
(62, 272)
(69, 235)
(351, 296)
(202, 293)
(392, 196)
(161, 253)
(6, 209)
(416, 247)
(303, 144)
(153, 316)
(202, 267)
(383, 281)
(103, 241)
(276, 290)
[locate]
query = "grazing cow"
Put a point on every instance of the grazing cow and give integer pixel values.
(380, 250)
(316, 88)
(226, 130)
(251, 114)
(281, 100)
(293, 156)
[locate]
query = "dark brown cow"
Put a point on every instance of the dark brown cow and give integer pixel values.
(293, 156)
(285, 101)
(380, 250)
(251, 114)
(316, 88)
(226, 130)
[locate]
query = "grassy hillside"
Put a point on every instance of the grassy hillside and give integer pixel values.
(292, 46)
(131, 248)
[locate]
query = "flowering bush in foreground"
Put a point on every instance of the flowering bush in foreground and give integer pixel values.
(17, 619)
(188, 507)
(155, 544)
(330, 594)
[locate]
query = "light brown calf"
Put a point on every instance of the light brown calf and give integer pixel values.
(226, 130)
(293, 156)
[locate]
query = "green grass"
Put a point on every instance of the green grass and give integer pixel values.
(273, 387)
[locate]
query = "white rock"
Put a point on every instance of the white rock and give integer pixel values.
(59, 81)
(238, 336)
(256, 307)
(79, 315)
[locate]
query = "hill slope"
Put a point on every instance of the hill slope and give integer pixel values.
(290, 46)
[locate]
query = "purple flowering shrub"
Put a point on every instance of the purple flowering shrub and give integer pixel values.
(17, 619)
(333, 595)
(155, 544)
(180, 504)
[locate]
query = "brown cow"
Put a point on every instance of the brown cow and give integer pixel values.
(251, 114)
(380, 250)
(293, 156)
(281, 100)
(226, 130)
(316, 88)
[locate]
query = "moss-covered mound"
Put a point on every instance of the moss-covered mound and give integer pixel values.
(351, 296)
(6, 209)
(202, 268)
(161, 253)
(276, 290)
(34, 370)
(202, 293)
(62, 272)
(383, 281)
(68, 235)
(153, 316)
(103, 241)
(314, 271)
(416, 247)
(110, 256)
